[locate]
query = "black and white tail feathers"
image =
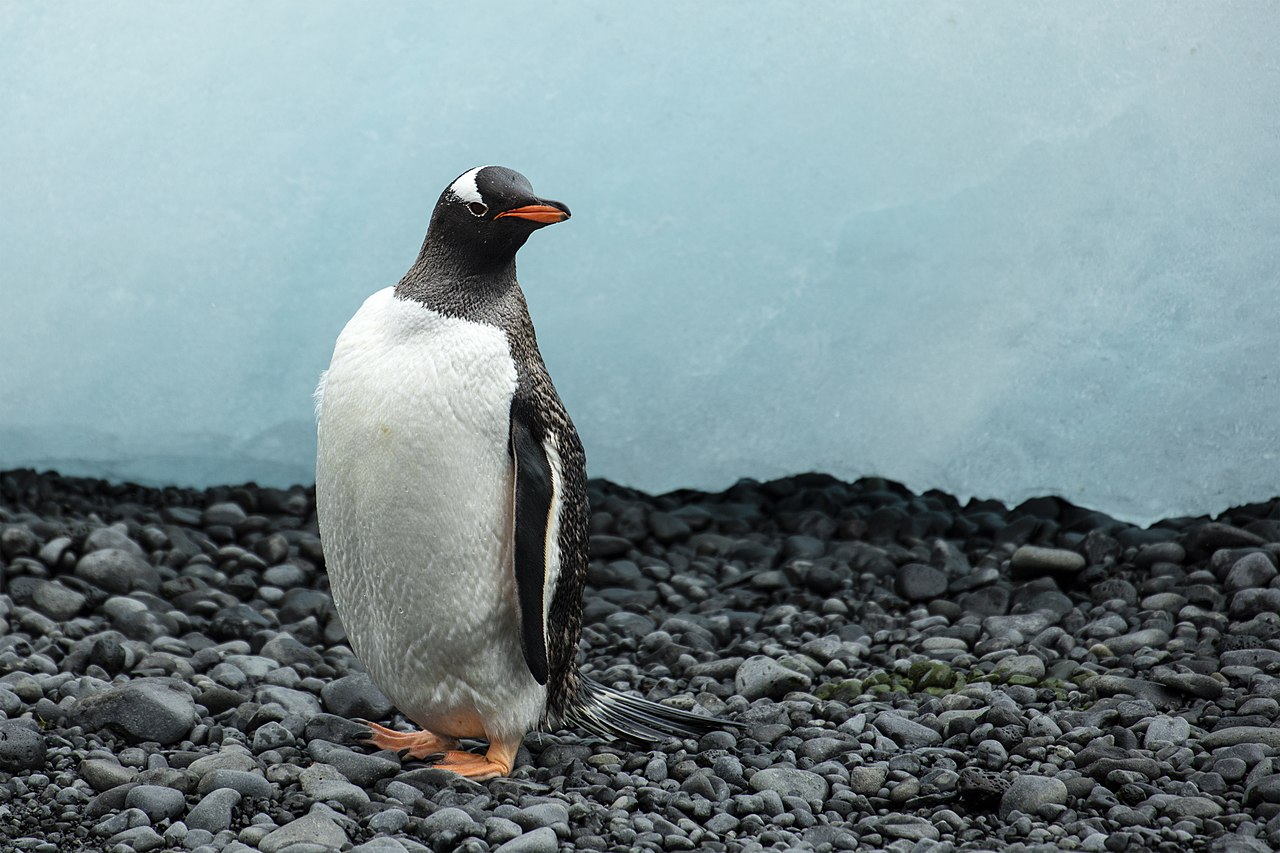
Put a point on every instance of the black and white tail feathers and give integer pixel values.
(614, 715)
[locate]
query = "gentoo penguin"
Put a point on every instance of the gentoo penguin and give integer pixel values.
(450, 486)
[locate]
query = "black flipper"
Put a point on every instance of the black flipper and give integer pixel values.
(614, 715)
(534, 491)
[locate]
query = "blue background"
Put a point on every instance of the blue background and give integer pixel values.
(1002, 249)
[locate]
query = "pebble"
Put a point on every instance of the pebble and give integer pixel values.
(1031, 560)
(315, 828)
(887, 654)
(762, 677)
(22, 748)
(213, 812)
(789, 782)
(537, 841)
(1027, 794)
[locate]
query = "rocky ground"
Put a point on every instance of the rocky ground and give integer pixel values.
(912, 675)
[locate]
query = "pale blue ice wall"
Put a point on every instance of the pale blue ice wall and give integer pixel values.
(996, 249)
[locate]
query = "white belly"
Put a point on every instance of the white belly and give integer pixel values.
(414, 490)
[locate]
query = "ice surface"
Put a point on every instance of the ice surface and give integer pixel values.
(998, 249)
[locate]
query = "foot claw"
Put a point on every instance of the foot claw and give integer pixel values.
(411, 744)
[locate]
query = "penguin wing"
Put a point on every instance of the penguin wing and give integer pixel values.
(537, 555)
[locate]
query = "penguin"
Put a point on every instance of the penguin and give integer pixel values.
(451, 497)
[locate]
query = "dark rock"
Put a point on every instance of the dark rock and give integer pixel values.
(22, 748)
(918, 582)
(118, 571)
(213, 812)
(356, 695)
(156, 709)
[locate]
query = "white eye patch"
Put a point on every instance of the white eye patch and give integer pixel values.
(464, 189)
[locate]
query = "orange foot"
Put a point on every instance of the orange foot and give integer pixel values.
(417, 744)
(496, 762)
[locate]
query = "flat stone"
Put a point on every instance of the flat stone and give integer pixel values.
(541, 814)
(906, 733)
(104, 774)
(537, 841)
(357, 767)
(144, 709)
(789, 782)
(1028, 793)
(1127, 644)
(156, 802)
(1236, 735)
(1032, 560)
(1201, 807)
(762, 677)
(245, 783)
(314, 828)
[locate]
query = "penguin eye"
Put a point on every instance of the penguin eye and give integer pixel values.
(478, 208)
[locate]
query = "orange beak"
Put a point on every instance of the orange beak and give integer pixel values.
(541, 213)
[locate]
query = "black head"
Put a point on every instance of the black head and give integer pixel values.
(483, 218)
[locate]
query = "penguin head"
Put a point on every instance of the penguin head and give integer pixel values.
(487, 213)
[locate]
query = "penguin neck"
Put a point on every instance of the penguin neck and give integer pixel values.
(453, 281)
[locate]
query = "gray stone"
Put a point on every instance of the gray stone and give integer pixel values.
(293, 701)
(1019, 666)
(115, 536)
(156, 802)
(1249, 572)
(453, 821)
(57, 601)
(1248, 603)
(1028, 793)
(357, 767)
(223, 514)
(906, 733)
(1031, 559)
(314, 828)
(918, 582)
(538, 841)
(907, 827)
(380, 845)
(356, 696)
(762, 677)
(144, 709)
(245, 783)
(339, 791)
(287, 651)
(118, 571)
(139, 839)
(272, 735)
(542, 814)
(868, 779)
(104, 774)
(213, 812)
(230, 758)
(1127, 644)
(21, 747)
(1241, 734)
(1164, 730)
(500, 830)
(789, 782)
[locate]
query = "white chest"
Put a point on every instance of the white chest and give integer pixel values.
(414, 486)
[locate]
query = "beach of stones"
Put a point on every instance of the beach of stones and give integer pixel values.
(905, 673)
